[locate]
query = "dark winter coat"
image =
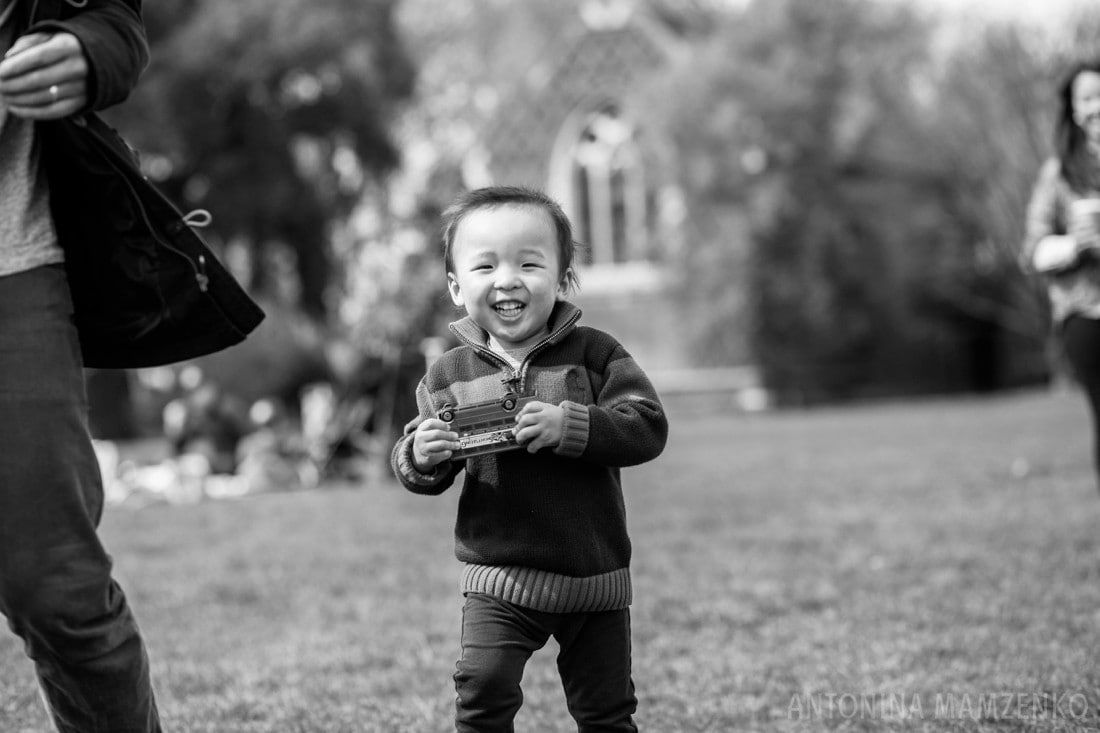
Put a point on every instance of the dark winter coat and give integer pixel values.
(146, 289)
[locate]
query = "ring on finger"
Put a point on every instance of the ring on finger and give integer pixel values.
(54, 91)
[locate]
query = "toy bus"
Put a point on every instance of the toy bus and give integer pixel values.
(484, 427)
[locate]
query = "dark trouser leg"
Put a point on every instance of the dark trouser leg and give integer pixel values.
(1081, 337)
(55, 577)
(594, 663)
(497, 640)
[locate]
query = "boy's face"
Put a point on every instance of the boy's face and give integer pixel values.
(506, 272)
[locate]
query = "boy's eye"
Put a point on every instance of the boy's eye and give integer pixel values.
(532, 265)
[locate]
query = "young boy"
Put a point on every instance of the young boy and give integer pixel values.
(542, 528)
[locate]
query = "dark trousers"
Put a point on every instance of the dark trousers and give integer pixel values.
(594, 662)
(56, 589)
(1081, 338)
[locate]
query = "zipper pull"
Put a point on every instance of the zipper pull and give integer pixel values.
(198, 218)
(200, 274)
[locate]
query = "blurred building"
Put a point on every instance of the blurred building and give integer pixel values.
(555, 96)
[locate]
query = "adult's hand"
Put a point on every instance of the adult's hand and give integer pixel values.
(1084, 223)
(44, 76)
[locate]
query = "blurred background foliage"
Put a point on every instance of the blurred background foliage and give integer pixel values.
(884, 163)
(273, 118)
(854, 175)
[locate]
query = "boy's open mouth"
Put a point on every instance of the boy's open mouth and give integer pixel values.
(509, 308)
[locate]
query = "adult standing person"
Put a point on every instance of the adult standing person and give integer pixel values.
(1063, 230)
(55, 577)
(96, 269)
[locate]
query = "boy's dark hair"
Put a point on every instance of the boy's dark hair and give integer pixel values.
(491, 197)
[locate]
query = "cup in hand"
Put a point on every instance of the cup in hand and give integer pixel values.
(1084, 222)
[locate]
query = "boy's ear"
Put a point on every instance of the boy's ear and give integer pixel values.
(454, 290)
(563, 285)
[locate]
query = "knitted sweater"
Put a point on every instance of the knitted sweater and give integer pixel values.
(1075, 291)
(547, 530)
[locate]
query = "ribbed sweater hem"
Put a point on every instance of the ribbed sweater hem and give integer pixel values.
(541, 590)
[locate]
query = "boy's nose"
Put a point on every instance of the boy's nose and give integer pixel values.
(507, 278)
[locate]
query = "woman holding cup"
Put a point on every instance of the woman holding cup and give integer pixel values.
(1063, 231)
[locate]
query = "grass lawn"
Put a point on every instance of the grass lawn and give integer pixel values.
(907, 566)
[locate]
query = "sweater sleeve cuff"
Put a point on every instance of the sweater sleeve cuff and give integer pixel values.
(409, 470)
(574, 433)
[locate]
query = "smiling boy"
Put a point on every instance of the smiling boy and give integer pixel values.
(541, 530)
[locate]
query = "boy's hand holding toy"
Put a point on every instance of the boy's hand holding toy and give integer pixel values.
(539, 425)
(433, 443)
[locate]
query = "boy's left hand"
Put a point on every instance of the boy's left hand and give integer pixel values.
(539, 425)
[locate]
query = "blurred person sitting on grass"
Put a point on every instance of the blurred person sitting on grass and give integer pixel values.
(542, 528)
(1063, 231)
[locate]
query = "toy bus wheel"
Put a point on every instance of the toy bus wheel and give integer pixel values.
(446, 416)
(509, 403)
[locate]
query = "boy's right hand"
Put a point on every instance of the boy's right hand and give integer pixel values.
(433, 443)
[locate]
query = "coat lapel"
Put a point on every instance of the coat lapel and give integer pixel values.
(43, 10)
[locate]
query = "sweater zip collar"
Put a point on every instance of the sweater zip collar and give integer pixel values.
(562, 319)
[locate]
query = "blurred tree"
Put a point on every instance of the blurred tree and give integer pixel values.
(993, 122)
(396, 303)
(798, 93)
(1078, 39)
(824, 155)
(276, 117)
(271, 115)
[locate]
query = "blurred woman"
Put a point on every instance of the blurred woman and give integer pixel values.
(1063, 231)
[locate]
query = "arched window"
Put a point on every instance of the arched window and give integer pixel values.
(598, 175)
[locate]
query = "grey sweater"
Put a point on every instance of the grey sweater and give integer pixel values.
(1075, 290)
(27, 237)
